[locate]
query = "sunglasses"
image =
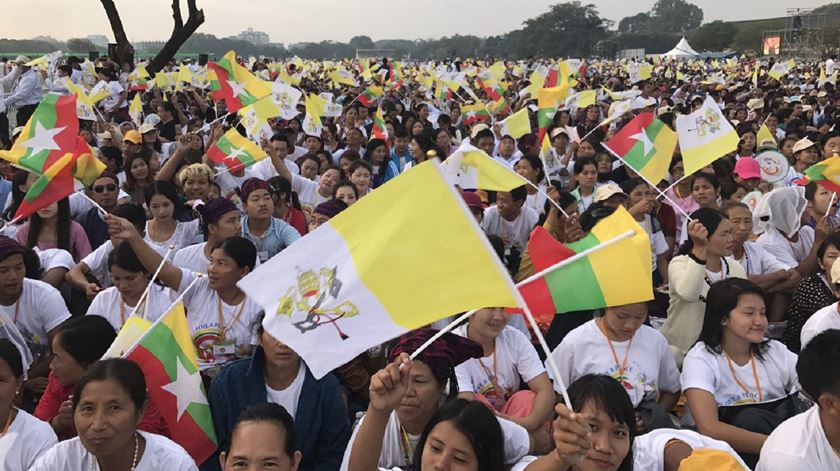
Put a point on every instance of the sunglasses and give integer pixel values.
(103, 188)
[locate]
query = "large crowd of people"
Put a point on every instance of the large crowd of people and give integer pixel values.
(734, 364)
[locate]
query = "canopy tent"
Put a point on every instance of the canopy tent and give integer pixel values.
(682, 49)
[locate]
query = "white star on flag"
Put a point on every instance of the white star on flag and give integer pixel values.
(642, 137)
(470, 114)
(44, 139)
(186, 388)
(236, 152)
(238, 88)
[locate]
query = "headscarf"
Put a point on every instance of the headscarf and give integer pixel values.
(214, 210)
(781, 209)
(251, 185)
(442, 356)
(9, 247)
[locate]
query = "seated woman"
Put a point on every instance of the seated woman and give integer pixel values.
(739, 386)
(107, 406)
(130, 280)
(24, 438)
(276, 374)
(263, 434)
(704, 259)
(814, 293)
(598, 434)
(618, 344)
(163, 229)
(508, 359)
(460, 431)
(79, 343)
(397, 418)
(51, 228)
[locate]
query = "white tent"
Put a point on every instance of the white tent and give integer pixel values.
(682, 49)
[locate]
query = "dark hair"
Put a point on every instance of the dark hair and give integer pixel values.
(124, 257)
(674, 161)
(359, 164)
(519, 193)
(313, 158)
(729, 188)
(18, 180)
(478, 424)
(125, 372)
(86, 338)
(240, 249)
(721, 299)
(818, 366)
(372, 145)
(134, 213)
(167, 190)
(709, 177)
(273, 414)
(281, 186)
(811, 191)
(831, 240)
(62, 227)
(11, 355)
(114, 154)
(536, 164)
(630, 184)
(583, 162)
(130, 182)
(593, 215)
(608, 396)
(400, 132)
(345, 183)
(168, 107)
(710, 219)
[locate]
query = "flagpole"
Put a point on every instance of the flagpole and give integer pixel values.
(95, 204)
(830, 204)
(152, 281)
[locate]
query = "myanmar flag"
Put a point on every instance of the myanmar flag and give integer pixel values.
(167, 357)
(474, 113)
(379, 131)
(362, 298)
(235, 84)
(825, 173)
(548, 101)
(611, 276)
(55, 184)
(370, 95)
(646, 145)
(86, 167)
(235, 151)
(49, 135)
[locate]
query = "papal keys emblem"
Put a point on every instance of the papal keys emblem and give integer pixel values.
(316, 295)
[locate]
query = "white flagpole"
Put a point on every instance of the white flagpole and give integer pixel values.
(152, 281)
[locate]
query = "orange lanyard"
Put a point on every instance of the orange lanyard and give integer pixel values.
(623, 365)
(222, 329)
(738, 381)
(494, 378)
(406, 446)
(122, 310)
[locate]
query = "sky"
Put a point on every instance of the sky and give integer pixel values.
(288, 21)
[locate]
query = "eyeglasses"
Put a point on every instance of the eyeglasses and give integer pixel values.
(103, 188)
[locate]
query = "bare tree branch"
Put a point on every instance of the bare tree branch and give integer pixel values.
(176, 15)
(125, 51)
(180, 33)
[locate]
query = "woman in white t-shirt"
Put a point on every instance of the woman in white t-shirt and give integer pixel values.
(163, 229)
(739, 386)
(108, 404)
(618, 344)
(130, 280)
(220, 316)
(23, 438)
(508, 359)
(641, 204)
(531, 168)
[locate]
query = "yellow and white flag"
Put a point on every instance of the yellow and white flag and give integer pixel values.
(135, 109)
(472, 169)
(331, 305)
(84, 105)
(312, 124)
(516, 125)
(705, 135)
(581, 99)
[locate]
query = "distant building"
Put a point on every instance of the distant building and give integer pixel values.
(98, 40)
(254, 37)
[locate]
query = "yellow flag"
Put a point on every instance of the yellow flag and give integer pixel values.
(764, 135)
(517, 124)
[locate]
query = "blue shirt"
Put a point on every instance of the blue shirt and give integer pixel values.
(278, 236)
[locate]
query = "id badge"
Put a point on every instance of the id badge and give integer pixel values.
(224, 348)
(262, 256)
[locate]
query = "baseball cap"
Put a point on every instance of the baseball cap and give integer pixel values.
(473, 200)
(747, 168)
(146, 127)
(802, 144)
(607, 191)
(133, 137)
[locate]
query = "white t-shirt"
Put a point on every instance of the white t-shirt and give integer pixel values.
(824, 319)
(26, 440)
(791, 254)
(229, 182)
(757, 261)
(658, 244)
(514, 358)
(97, 261)
(114, 90)
(650, 364)
(516, 443)
(307, 191)
(288, 398)
(799, 443)
(264, 169)
(108, 304)
(39, 310)
(513, 233)
(160, 453)
(54, 258)
(186, 234)
(192, 258)
(202, 305)
(710, 372)
(536, 201)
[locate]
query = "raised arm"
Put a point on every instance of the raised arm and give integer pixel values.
(171, 166)
(124, 231)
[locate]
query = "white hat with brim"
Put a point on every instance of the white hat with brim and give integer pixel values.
(802, 144)
(605, 192)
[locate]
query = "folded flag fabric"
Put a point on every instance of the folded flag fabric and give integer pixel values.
(86, 167)
(55, 184)
(48, 135)
(472, 169)
(331, 305)
(235, 84)
(312, 124)
(582, 99)
(379, 130)
(235, 151)
(135, 109)
(615, 275)
(825, 173)
(646, 145)
(764, 135)
(167, 357)
(704, 136)
(474, 113)
(370, 95)
(84, 105)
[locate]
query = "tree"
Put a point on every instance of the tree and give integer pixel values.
(675, 16)
(567, 29)
(714, 36)
(361, 42)
(181, 31)
(80, 45)
(637, 23)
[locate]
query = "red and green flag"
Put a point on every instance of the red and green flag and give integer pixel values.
(825, 173)
(233, 83)
(48, 135)
(235, 151)
(370, 95)
(379, 131)
(55, 184)
(548, 101)
(602, 275)
(167, 357)
(397, 76)
(475, 113)
(646, 145)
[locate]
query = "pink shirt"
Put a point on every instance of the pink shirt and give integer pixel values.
(79, 244)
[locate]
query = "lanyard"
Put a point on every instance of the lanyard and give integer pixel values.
(738, 381)
(406, 446)
(222, 329)
(623, 366)
(17, 308)
(122, 310)
(494, 378)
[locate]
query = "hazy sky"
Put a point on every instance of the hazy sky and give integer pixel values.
(289, 21)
